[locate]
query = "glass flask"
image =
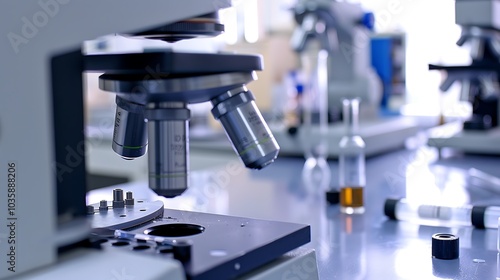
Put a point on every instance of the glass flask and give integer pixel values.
(352, 178)
(314, 111)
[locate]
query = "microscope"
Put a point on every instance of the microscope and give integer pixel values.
(343, 29)
(48, 231)
(479, 81)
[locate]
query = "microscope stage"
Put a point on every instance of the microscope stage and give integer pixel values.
(223, 247)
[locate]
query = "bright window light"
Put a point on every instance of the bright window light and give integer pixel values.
(230, 20)
(251, 21)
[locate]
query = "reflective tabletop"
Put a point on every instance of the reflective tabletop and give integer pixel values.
(366, 246)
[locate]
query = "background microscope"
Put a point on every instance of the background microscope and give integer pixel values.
(344, 30)
(479, 80)
(46, 193)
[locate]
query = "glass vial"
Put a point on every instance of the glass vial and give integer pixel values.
(351, 161)
(316, 171)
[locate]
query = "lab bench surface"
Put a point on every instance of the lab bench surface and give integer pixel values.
(366, 246)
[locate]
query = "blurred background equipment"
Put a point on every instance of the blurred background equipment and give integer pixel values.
(478, 133)
(344, 30)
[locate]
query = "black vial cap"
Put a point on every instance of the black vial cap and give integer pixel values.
(390, 208)
(333, 196)
(445, 246)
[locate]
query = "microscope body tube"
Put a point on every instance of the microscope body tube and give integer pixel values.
(168, 151)
(446, 216)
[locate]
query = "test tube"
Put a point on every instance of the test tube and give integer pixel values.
(445, 216)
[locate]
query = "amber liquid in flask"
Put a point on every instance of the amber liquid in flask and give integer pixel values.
(351, 197)
(351, 162)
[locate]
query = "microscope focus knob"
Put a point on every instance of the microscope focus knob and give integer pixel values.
(368, 21)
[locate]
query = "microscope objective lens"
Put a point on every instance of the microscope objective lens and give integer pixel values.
(246, 128)
(130, 131)
(168, 148)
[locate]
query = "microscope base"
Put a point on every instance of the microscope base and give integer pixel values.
(87, 264)
(298, 264)
(380, 136)
(94, 264)
(452, 135)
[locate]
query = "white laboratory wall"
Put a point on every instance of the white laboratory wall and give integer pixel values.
(431, 38)
(276, 15)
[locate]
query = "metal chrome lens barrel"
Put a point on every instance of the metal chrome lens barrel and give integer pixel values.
(168, 151)
(129, 135)
(246, 128)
